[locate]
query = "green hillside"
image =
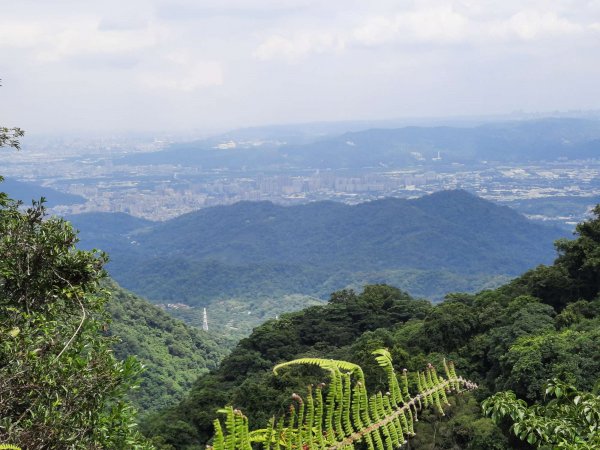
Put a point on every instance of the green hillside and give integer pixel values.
(447, 241)
(545, 324)
(172, 353)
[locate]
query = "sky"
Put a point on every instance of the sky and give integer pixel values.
(134, 65)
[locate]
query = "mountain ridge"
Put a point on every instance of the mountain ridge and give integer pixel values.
(518, 140)
(258, 250)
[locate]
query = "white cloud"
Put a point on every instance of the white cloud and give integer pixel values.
(164, 58)
(179, 74)
(19, 34)
(530, 25)
(437, 26)
(431, 25)
(296, 48)
(86, 38)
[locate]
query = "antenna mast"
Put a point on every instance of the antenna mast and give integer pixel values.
(205, 320)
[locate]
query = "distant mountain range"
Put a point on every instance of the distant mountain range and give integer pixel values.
(443, 242)
(513, 141)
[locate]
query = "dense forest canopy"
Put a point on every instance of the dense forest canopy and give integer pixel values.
(245, 261)
(172, 353)
(545, 324)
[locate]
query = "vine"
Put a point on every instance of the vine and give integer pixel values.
(344, 415)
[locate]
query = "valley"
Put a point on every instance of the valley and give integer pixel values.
(252, 261)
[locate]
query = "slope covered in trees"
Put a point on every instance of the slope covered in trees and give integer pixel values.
(449, 240)
(68, 376)
(543, 325)
(172, 353)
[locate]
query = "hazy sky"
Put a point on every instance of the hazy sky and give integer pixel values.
(106, 65)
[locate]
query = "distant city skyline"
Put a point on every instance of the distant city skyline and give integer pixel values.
(209, 66)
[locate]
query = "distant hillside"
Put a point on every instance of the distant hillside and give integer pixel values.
(451, 230)
(444, 242)
(544, 139)
(173, 353)
(26, 192)
(107, 231)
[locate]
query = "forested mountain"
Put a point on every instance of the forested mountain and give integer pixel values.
(450, 240)
(172, 353)
(544, 324)
(545, 139)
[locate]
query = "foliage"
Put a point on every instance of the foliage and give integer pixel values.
(448, 240)
(10, 136)
(245, 379)
(60, 385)
(569, 419)
(344, 415)
(513, 337)
(575, 274)
(173, 354)
(235, 318)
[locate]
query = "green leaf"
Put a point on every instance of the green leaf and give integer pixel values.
(14, 332)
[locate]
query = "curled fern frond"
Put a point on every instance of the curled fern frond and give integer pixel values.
(326, 364)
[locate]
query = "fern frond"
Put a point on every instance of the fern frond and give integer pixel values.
(219, 440)
(327, 364)
(347, 415)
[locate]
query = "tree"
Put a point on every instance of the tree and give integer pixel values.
(9, 137)
(60, 385)
(581, 257)
(570, 419)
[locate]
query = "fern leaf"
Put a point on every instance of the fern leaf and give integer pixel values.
(347, 415)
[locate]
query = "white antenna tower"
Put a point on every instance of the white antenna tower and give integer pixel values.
(205, 320)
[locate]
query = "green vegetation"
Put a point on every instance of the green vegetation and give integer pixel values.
(341, 414)
(235, 318)
(262, 254)
(543, 325)
(173, 355)
(61, 385)
(570, 420)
